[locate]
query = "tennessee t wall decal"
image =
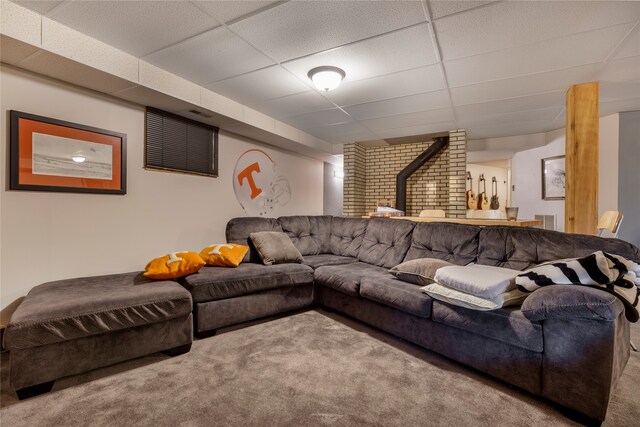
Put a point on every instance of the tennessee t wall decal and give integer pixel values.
(257, 185)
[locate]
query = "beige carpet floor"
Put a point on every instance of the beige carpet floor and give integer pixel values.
(310, 369)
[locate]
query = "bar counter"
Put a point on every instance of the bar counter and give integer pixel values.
(475, 221)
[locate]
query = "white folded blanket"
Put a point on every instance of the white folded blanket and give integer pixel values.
(483, 281)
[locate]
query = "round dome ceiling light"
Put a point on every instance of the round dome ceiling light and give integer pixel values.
(78, 158)
(326, 78)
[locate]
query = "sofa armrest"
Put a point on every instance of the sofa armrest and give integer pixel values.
(571, 301)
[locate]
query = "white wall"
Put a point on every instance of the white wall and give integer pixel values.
(526, 173)
(608, 163)
(333, 190)
(526, 176)
(49, 236)
(489, 172)
(629, 176)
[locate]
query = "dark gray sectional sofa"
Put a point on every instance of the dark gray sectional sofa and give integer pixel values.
(569, 344)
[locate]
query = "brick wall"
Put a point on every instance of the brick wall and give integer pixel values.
(370, 175)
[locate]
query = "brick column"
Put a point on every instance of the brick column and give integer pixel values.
(457, 173)
(354, 180)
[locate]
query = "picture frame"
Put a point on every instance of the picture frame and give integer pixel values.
(54, 155)
(553, 178)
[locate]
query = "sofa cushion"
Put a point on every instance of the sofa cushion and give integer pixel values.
(522, 248)
(346, 278)
(315, 261)
(453, 297)
(224, 255)
(507, 325)
(484, 281)
(456, 243)
(238, 230)
(275, 247)
(347, 235)
(386, 242)
(76, 308)
(310, 234)
(395, 293)
(214, 283)
(174, 265)
(421, 271)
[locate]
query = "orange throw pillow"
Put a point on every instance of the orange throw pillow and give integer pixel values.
(174, 265)
(224, 255)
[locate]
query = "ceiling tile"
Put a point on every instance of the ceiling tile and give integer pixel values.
(136, 27)
(327, 132)
(581, 49)
(402, 105)
(295, 29)
(416, 130)
(318, 118)
(503, 106)
(621, 70)
(63, 69)
(631, 46)
(356, 137)
(145, 96)
(441, 8)
(524, 85)
(13, 51)
(631, 104)
(374, 57)
(210, 57)
(411, 119)
(226, 11)
(498, 130)
(611, 91)
(293, 105)
(543, 115)
(509, 24)
(257, 86)
(410, 82)
(42, 7)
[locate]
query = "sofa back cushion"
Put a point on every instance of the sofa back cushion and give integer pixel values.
(347, 235)
(522, 248)
(238, 230)
(386, 242)
(309, 234)
(455, 243)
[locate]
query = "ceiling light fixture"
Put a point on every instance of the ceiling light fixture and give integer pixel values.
(326, 78)
(78, 158)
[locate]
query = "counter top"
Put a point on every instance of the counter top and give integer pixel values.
(476, 221)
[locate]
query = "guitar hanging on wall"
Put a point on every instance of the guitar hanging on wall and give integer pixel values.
(495, 203)
(483, 201)
(471, 198)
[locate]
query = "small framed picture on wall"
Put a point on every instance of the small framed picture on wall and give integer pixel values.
(553, 178)
(54, 155)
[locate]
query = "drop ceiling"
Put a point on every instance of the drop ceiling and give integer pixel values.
(494, 68)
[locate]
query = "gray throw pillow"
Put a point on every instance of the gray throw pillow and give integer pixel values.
(419, 271)
(275, 247)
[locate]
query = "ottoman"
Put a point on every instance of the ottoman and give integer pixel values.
(72, 326)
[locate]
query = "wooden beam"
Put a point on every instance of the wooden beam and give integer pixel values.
(581, 179)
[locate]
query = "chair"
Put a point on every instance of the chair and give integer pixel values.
(610, 220)
(432, 213)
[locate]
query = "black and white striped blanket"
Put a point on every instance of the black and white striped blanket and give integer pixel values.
(609, 272)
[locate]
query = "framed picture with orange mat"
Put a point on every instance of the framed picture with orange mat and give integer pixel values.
(55, 155)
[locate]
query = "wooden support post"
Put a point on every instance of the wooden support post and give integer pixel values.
(581, 180)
